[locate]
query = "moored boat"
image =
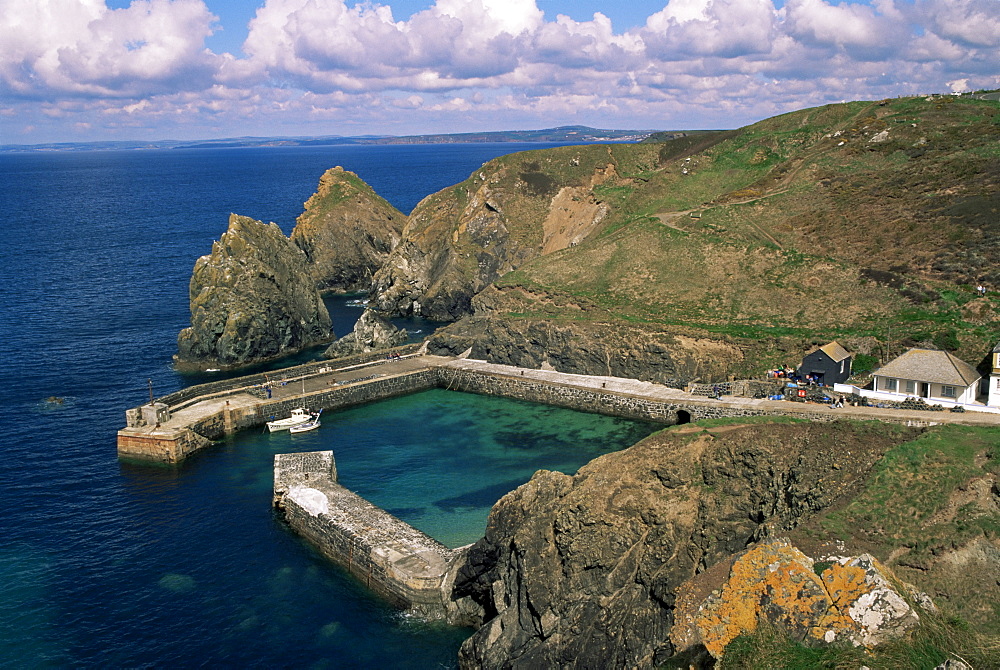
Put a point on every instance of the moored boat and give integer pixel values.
(308, 425)
(298, 416)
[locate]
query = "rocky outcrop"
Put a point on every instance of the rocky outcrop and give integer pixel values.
(346, 232)
(514, 209)
(633, 351)
(840, 599)
(372, 332)
(581, 571)
(252, 299)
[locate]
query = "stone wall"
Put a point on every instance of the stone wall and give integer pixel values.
(583, 398)
(187, 395)
(602, 401)
(395, 560)
(160, 447)
(173, 444)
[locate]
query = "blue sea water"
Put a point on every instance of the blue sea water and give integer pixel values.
(105, 564)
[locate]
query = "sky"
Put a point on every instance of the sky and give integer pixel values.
(95, 70)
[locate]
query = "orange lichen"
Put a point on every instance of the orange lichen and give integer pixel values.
(776, 582)
(768, 579)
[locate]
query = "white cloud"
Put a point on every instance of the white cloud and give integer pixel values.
(973, 23)
(859, 29)
(81, 47)
(721, 28)
(473, 64)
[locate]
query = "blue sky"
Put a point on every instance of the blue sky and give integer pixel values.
(84, 70)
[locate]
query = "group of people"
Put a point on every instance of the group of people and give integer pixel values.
(980, 290)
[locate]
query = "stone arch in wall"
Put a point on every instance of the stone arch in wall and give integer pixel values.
(683, 416)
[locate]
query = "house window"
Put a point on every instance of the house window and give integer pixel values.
(889, 384)
(911, 387)
(948, 391)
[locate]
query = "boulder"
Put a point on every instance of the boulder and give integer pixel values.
(840, 599)
(252, 299)
(372, 332)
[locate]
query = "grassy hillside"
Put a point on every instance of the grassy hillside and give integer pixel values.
(869, 222)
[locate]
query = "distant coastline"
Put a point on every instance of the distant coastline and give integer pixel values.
(569, 134)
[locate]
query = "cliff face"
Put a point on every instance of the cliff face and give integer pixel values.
(515, 208)
(346, 232)
(252, 299)
(635, 351)
(581, 571)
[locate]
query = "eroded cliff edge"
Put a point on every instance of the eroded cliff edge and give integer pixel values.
(252, 299)
(515, 208)
(581, 571)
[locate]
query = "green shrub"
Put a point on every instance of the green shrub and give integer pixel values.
(863, 363)
(946, 340)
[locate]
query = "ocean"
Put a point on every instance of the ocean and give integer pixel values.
(107, 564)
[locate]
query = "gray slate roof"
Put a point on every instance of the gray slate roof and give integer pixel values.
(928, 365)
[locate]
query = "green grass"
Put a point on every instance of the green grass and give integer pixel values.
(934, 641)
(743, 420)
(913, 482)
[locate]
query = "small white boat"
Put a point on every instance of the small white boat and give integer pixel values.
(308, 425)
(298, 416)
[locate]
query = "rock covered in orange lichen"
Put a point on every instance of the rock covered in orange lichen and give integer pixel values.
(852, 599)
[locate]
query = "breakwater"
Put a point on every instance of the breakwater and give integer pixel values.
(184, 422)
(405, 566)
(177, 425)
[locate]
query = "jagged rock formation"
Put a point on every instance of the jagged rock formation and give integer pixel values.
(581, 571)
(252, 299)
(346, 232)
(371, 333)
(515, 208)
(840, 599)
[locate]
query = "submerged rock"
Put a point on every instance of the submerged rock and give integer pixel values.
(252, 299)
(372, 332)
(346, 232)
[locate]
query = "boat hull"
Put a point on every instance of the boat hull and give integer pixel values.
(299, 416)
(304, 427)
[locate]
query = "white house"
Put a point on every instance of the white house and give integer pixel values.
(994, 387)
(935, 376)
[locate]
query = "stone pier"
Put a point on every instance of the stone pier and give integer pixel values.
(395, 560)
(192, 418)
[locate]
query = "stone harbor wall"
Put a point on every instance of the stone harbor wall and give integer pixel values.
(160, 446)
(236, 385)
(395, 560)
(196, 427)
(510, 384)
(195, 423)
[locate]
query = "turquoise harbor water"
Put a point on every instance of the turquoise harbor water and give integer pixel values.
(104, 564)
